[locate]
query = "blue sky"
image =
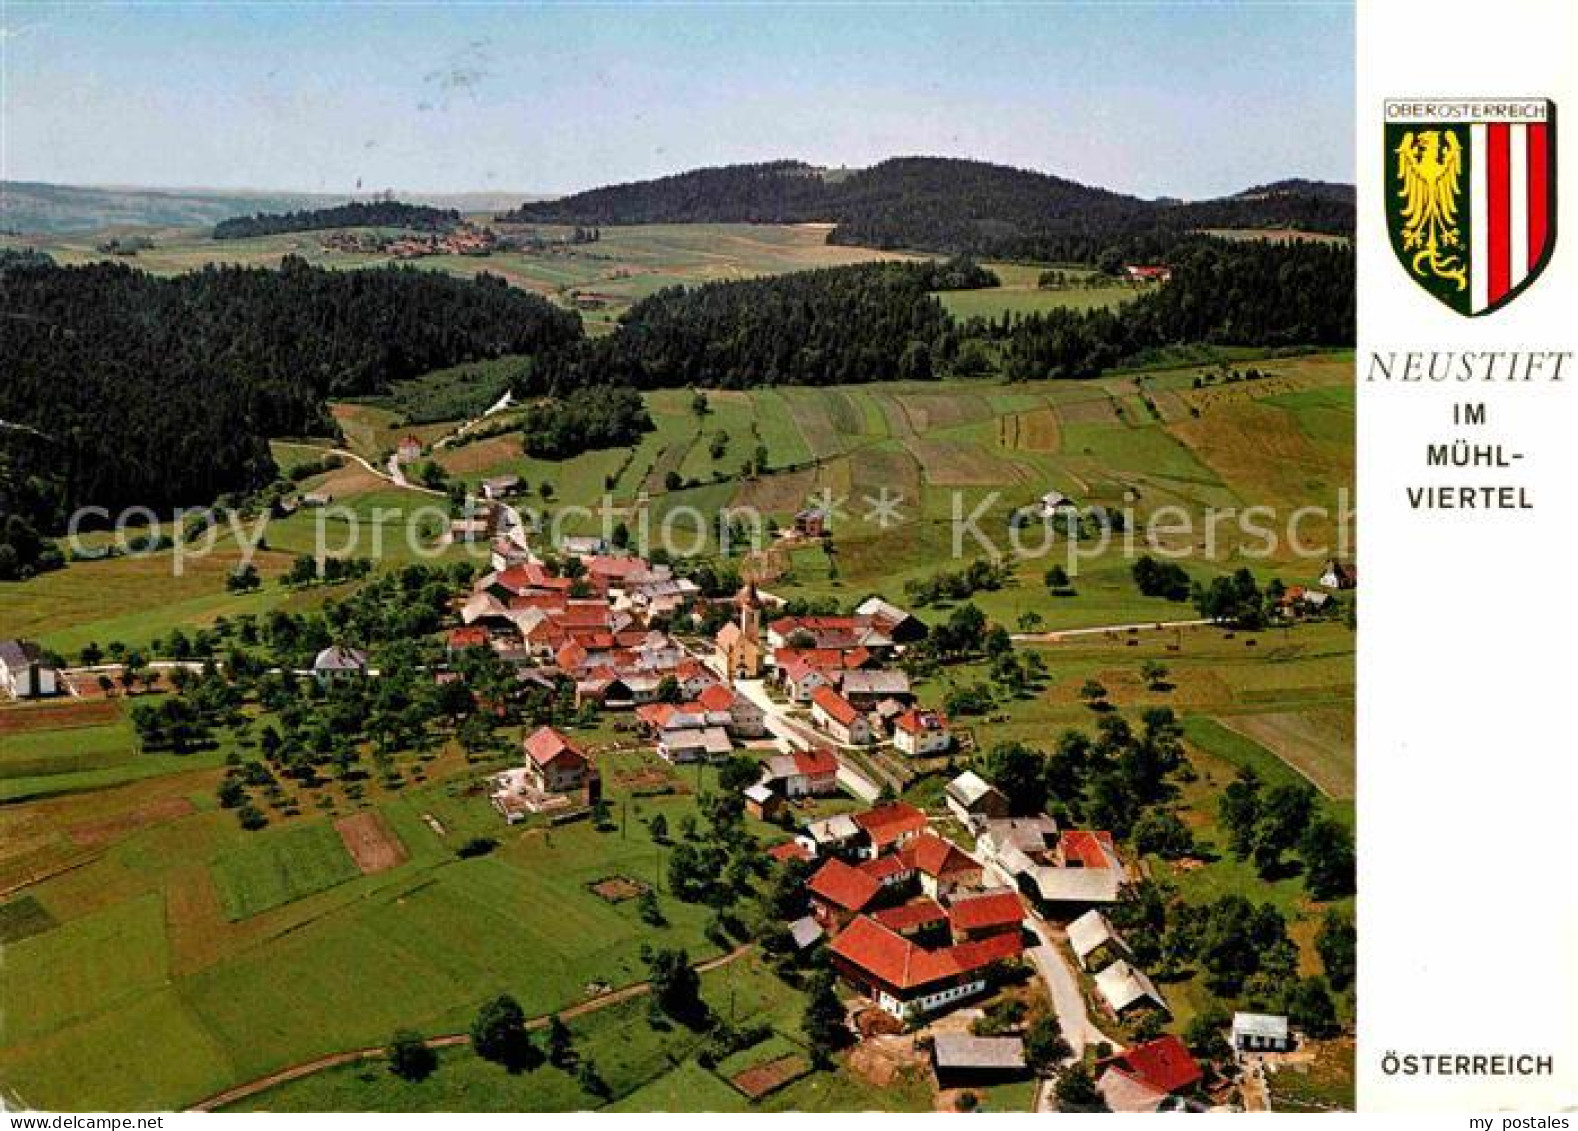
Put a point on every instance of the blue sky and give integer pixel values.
(1183, 99)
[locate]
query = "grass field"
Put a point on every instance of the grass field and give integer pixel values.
(232, 953)
(626, 264)
(1021, 293)
(276, 867)
(646, 1070)
(156, 953)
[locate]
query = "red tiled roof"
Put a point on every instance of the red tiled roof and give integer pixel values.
(529, 576)
(843, 886)
(818, 763)
(546, 746)
(916, 720)
(918, 914)
(822, 659)
(788, 626)
(609, 566)
(548, 602)
(655, 714)
(571, 656)
(577, 615)
(690, 669)
(1088, 849)
(994, 909)
(716, 697)
(1164, 1064)
(895, 960)
(887, 823)
(884, 867)
(839, 709)
(790, 850)
(473, 636)
(929, 853)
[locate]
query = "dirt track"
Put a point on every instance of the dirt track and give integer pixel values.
(448, 1040)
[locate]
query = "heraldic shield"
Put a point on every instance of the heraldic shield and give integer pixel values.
(1471, 196)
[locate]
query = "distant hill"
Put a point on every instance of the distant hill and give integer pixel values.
(30, 207)
(1298, 187)
(948, 205)
(36, 208)
(358, 214)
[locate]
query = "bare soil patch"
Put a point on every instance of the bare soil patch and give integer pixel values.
(371, 842)
(758, 1080)
(617, 889)
(1038, 431)
(483, 455)
(103, 830)
(24, 719)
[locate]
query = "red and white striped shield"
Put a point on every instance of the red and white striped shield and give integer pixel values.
(1471, 196)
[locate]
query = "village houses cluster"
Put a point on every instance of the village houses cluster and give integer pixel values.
(912, 919)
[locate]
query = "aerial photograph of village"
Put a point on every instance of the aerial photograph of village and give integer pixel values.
(565, 558)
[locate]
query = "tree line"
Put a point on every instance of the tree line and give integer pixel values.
(947, 205)
(357, 214)
(121, 388)
(1244, 293)
(836, 325)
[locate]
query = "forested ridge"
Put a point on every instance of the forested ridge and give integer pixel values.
(120, 388)
(881, 322)
(162, 391)
(357, 214)
(949, 205)
(869, 322)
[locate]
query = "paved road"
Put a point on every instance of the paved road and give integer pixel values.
(1150, 625)
(383, 474)
(448, 1040)
(1063, 984)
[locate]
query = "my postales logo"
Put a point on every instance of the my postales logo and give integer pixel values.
(1471, 196)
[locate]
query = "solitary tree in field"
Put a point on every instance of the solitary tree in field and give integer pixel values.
(1154, 673)
(1045, 1047)
(676, 987)
(823, 1023)
(409, 1056)
(561, 1046)
(591, 1081)
(1076, 1090)
(1094, 695)
(499, 1034)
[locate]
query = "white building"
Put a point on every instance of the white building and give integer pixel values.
(23, 672)
(1261, 1032)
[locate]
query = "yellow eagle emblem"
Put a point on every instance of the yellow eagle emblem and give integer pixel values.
(1429, 175)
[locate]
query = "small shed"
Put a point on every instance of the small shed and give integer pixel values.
(974, 799)
(500, 486)
(338, 662)
(762, 803)
(1261, 1032)
(1094, 942)
(805, 932)
(1126, 988)
(962, 1061)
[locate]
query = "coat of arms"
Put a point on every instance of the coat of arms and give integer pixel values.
(1471, 196)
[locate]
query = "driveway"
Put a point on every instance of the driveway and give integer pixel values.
(1063, 985)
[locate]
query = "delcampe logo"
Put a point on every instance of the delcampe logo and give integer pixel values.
(1470, 188)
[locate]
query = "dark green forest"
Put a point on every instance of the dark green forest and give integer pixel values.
(585, 419)
(369, 214)
(880, 322)
(121, 388)
(950, 206)
(869, 322)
